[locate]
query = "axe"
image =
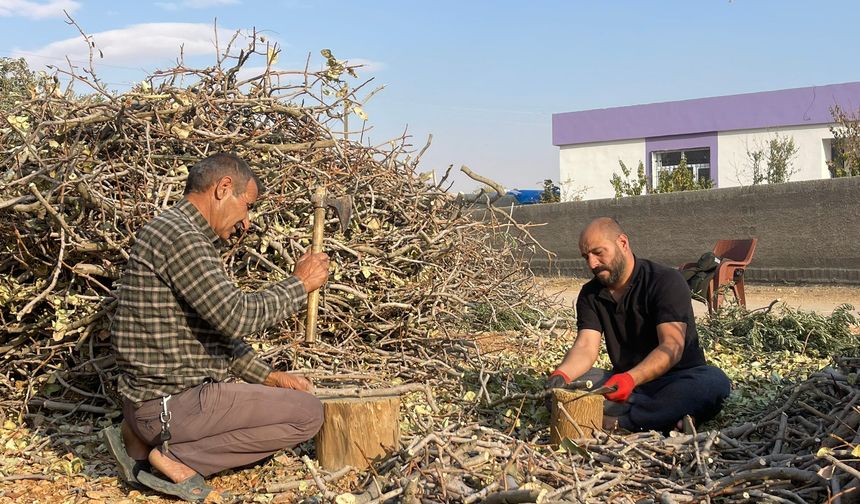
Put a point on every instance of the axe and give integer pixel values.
(343, 207)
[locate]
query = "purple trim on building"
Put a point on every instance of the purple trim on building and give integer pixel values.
(680, 142)
(769, 109)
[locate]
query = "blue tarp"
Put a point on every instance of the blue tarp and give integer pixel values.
(512, 197)
(526, 196)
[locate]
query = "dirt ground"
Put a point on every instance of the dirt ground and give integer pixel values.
(34, 473)
(818, 298)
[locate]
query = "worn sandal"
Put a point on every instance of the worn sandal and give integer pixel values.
(194, 489)
(128, 467)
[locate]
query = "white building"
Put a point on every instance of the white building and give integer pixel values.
(715, 135)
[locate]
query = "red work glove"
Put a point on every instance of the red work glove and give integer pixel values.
(625, 385)
(557, 379)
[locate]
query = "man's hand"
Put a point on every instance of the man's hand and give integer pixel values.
(624, 383)
(288, 381)
(556, 379)
(312, 270)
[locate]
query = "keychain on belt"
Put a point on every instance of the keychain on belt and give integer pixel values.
(165, 417)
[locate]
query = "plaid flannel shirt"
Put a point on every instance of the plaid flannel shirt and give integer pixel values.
(180, 318)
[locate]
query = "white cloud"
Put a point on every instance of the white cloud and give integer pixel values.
(194, 4)
(37, 10)
(135, 46)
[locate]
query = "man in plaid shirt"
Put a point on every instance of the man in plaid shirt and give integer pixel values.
(177, 335)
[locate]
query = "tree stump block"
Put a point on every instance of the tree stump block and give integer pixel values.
(357, 431)
(586, 411)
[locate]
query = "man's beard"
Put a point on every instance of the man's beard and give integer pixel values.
(616, 269)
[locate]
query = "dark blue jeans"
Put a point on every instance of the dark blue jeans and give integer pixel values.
(659, 404)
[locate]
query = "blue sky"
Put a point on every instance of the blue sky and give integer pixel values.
(484, 77)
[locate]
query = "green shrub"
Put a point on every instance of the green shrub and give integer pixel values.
(786, 329)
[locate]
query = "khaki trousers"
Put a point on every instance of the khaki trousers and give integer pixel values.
(217, 426)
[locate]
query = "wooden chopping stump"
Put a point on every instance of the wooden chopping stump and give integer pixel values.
(586, 411)
(357, 431)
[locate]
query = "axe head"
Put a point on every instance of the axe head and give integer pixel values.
(342, 205)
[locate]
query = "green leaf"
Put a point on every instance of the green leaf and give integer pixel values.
(360, 113)
(571, 447)
(52, 388)
(21, 123)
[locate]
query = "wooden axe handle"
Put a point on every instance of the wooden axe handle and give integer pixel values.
(316, 246)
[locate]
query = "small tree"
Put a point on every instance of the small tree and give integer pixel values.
(627, 186)
(756, 158)
(774, 164)
(569, 192)
(681, 178)
(780, 159)
(551, 192)
(16, 81)
(846, 142)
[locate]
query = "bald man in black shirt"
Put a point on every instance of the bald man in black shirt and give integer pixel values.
(645, 313)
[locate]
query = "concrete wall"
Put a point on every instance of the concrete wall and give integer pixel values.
(810, 162)
(590, 166)
(807, 231)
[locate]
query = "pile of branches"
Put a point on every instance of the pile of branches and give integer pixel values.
(805, 450)
(82, 172)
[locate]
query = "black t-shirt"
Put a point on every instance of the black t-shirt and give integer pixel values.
(656, 294)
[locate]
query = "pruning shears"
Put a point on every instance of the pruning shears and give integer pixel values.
(599, 390)
(586, 385)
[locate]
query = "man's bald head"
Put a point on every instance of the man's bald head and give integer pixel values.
(606, 228)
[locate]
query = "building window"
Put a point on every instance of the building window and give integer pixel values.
(834, 156)
(698, 160)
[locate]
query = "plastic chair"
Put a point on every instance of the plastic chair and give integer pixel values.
(735, 256)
